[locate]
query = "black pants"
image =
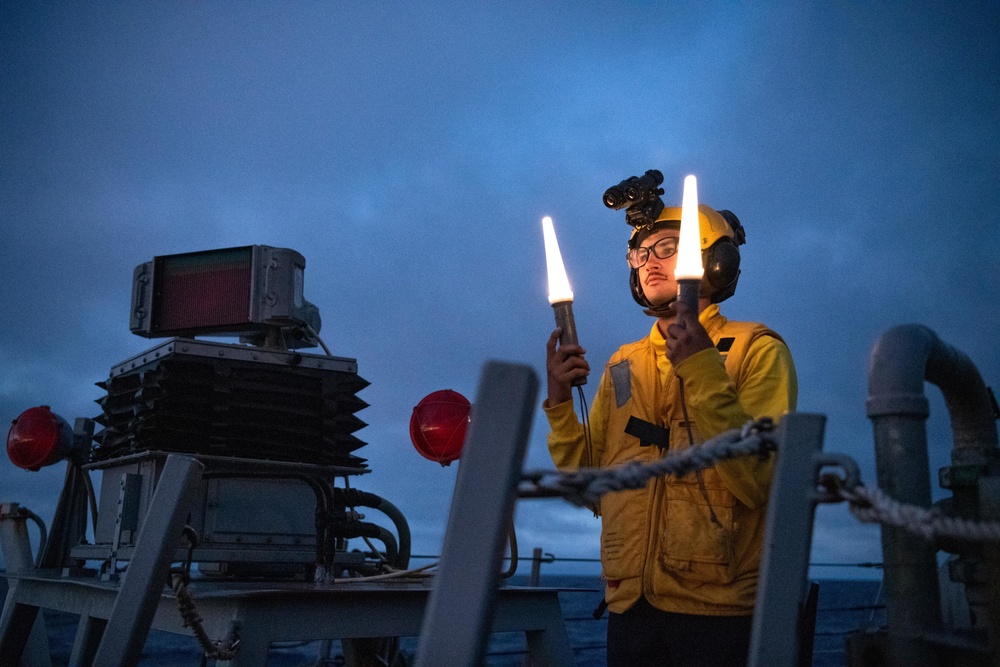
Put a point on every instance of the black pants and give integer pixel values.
(644, 636)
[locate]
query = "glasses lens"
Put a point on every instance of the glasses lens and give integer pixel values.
(637, 257)
(665, 248)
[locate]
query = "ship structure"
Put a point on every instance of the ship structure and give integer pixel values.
(231, 496)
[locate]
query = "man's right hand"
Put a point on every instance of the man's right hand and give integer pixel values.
(563, 364)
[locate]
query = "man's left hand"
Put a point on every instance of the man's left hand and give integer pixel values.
(685, 335)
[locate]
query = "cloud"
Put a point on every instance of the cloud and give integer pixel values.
(409, 153)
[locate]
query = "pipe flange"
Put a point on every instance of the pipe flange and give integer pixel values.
(883, 405)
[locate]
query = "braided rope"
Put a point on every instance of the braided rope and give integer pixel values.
(185, 604)
(872, 505)
(585, 486)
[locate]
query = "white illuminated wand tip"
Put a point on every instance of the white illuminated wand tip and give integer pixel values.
(560, 294)
(689, 270)
(558, 281)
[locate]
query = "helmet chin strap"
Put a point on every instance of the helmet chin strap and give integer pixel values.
(638, 234)
(663, 310)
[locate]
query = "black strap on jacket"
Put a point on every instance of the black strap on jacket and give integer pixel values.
(648, 433)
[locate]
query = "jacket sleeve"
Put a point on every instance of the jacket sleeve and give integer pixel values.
(567, 439)
(766, 386)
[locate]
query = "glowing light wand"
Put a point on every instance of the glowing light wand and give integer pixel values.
(689, 270)
(560, 294)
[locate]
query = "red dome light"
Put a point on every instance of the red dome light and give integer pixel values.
(438, 425)
(37, 438)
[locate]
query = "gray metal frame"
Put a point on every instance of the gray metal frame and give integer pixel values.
(16, 549)
(136, 602)
(262, 614)
(115, 617)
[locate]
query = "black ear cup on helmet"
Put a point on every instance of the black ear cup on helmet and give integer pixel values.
(722, 269)
(722, 260)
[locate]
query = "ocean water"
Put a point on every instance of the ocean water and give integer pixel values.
(844, 606)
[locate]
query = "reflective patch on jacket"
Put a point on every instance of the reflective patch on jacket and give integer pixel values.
(621, 378)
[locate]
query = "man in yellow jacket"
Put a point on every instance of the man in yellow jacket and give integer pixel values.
(680, 557)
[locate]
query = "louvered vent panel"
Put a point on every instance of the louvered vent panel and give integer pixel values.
(233, 408)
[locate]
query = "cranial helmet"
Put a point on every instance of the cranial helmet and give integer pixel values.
(721, 235)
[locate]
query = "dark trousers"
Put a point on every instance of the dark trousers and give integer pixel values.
(644, 636)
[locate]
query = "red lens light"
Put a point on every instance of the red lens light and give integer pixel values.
(438, 425)
(37, 438)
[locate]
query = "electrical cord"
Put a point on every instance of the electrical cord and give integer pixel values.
(375, 552)
(585, 420)
(315, 334)
(588, 444)
(690, 434)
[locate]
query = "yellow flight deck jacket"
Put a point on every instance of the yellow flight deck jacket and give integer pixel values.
(692, 544)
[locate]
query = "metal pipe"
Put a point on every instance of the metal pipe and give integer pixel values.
(902, 359)
(402, 531)
(355, 497)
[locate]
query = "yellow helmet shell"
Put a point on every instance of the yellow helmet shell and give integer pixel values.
(711, 225)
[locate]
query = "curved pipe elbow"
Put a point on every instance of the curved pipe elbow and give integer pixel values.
(402, 531)
(907, 355)
(356, 497)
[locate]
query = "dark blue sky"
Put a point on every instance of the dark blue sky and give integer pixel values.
(409, 151)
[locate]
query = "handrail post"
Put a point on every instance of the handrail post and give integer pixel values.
(461, 608)
(536, 567)
(784, 570)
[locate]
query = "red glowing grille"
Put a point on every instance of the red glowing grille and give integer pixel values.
(202, 290)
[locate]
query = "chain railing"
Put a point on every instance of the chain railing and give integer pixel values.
(868, 504)
(585, 486)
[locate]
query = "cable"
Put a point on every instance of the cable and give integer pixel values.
(588, 452)
(585, 420)
(690, 434)
(315, 334)
(375, 552)
(392, 575)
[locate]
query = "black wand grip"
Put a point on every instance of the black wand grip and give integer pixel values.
(565, 321)
(687, 292)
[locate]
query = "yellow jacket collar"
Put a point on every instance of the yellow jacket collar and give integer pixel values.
(706, 318)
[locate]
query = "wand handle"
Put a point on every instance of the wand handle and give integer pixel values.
(687, 291)
(564, 320)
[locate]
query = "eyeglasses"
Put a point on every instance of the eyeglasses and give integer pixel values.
(663, 249)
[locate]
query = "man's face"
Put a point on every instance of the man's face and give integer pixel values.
(656, 276)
